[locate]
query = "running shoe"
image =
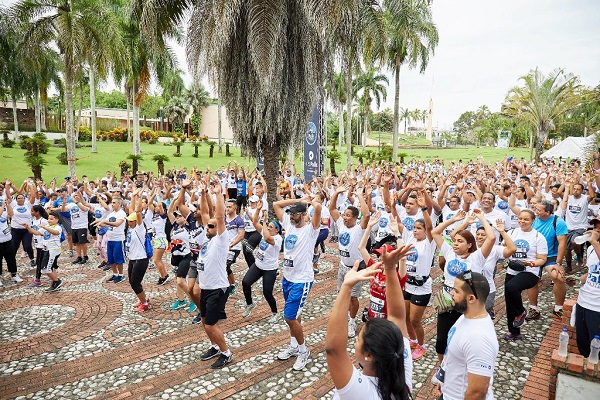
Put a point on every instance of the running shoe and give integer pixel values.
(35, 283)
(112, 279)
(273, 318)
(434, 378)
(233, 289)
(119, 278)
(192, 308)
(419, 352)
(315, 271)
(162, 281)
(106, 268)
(520, 320)
(85, 260)
(558, 314)
(78, 260)
(510, 337)
(139, 303)
(16, 278)
(102, 264)
(1, 284)
(248, 309)
(210, 353)
(532, 314)
(71, 253)
(197, 319)
(351, 328)
(178, 304)
(55, 286)
(222, 361)
(32, 263)
(301, 360)
(288, 352)
(143, 307)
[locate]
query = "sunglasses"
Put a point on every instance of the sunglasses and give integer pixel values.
(210, 226)
(468, 277)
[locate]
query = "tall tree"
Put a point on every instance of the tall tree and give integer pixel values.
(74, 25)
(411, 38)
(542, 100)
(336, 92)
(406, 116)
(370, 86)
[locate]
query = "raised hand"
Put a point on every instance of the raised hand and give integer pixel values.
(391, 259)
(374, 220)
(459, 216)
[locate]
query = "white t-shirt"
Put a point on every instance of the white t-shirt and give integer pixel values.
(496, 254)
(21, 215)
(408, 220)
(37, 239)
(491, 218)
(514, 218)
(182, 233)
(212, 273)
(589, 294)
(456, 265)
(267, 255)
(134, 244)
(529, 245)
(349, 238)
(363, 387)
(576, 213)
(472, 349)
(502, 205)
(100, 213)
(418, 263)
(383, 227)
(79, 218)
(158, 225)
(52, 242)
(116, 233)
(448, 213)
(5, 234)
(298, 250)
(248, 226)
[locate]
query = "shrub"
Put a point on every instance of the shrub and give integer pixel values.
(62, 157)
(85, 134)
(6, 142)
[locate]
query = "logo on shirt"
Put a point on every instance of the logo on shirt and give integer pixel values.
(574, 209)
(290, 242)
(263, 245)
(22, 210)
(408, 223)
(345, 239)
(413, 256)
(450, 336)
(383, 221)
(98, 214)
(75, 209)
(502, 205)
(2, 220)
(449, 216)
(204, 249)
(112, 219)
(456, 267)
(47, 235)
(522, 248)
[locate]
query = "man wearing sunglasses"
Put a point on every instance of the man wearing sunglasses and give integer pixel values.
(467, 371)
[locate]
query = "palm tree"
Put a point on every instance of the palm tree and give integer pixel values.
(370, 84)
(198, 98)
(406, 115)
(176, 110)
(411, 38)
(75, 26)
(336, 91)
(542, 101)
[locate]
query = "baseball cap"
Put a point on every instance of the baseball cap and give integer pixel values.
(132, 217)
(380, 250)
(296, 208)
(253, 199)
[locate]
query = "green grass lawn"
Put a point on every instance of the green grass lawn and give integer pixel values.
(12, 164)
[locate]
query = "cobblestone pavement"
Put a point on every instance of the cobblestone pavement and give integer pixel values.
(86, 341)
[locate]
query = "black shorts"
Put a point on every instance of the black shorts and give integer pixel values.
(182, 263)
(232, 193)
(241, 201)
(212, 305)
(420, 300)
(193, 271)
(232, 255)
(572, 235)
(79, 236)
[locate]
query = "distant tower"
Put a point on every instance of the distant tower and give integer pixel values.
(429, 120)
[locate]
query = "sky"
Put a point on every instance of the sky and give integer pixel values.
(486, 46)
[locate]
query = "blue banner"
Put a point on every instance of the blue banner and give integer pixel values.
(312, 154)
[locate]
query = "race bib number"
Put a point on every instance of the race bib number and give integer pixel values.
(344, 253)
(201, 266)
(288, 263)
(261, 256)
(411, 268)
(6, 231)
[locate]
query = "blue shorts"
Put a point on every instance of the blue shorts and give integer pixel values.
(294, 295)
(115, 252)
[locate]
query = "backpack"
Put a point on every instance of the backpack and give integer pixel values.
(147, 242)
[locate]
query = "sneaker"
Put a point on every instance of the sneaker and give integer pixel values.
(233, 289)
(32, 263)
(558, 314)
(112, 279)
(418, 352)
(151, 265)
(102, 264)
(162, 281)
(35, 283)
(143, 307)
(17, 278)
(288, 352)
(1, 284)
(315, 271)
(351, 328)
(55, 286)
(532, 314)
(71, 254)
(222, 361)
(520, 320)
(119, 278)
(79, 260)
(248, 309)
(85, 260)
(434, 378)
(210, 353)
(192, 308)
(413, 345)
(178, 304)
(139, 303)
(301, 360)
(106, 267)
(510, 337)
(197, 319)
(273, 318)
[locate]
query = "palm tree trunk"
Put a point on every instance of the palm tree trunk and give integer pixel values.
(38, 123)
(348, 111)
(127, 97)
(136, 123)
(44, 101)
(541, 140)
(15, 118)
(531, 144)
(271, 158)
(365, 134)
(340, 125)
(79, 112)
(93, 109)
(69, 114)
(396, 111)
(219, 132)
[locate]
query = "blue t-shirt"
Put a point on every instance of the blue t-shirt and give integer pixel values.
(241, 187)
(58, 203)
(546, 228)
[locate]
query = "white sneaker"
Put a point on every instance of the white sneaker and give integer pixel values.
(248, 310)
(17, 278)
(1, 284)
(288, 352)
(434, 378)
(273, 318)
(351, 328)
(301, 360)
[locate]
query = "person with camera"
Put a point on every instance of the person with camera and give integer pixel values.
(523, 271)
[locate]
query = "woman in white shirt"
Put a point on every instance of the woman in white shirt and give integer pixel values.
(7, 251)
(22, 215)
(40, 217)
(265, 264)
(523, 271)
(159, 235)
(382, 348)
(136, 253)
(51, 233)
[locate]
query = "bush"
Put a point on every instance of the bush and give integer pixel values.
(62, 157)
(85, 134)
(6, 142)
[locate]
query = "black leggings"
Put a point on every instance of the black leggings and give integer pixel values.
(136, 271)
(22, 236)
(39, 257)
(444, 323)
(7, 252)
(269, 277)
(513, 286)
(251, 240)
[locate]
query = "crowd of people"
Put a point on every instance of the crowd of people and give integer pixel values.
(391, 224)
